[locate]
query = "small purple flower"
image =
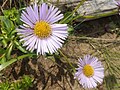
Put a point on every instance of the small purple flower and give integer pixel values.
(40, 30)
(117, 2)
(89, 72)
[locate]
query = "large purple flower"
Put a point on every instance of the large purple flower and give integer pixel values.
(89, 72)
(40, 30)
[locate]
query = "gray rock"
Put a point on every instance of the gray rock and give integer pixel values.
(90, 7)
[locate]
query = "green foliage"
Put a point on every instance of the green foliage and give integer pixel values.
(5, 64)
(22, 84)
(5, 86)
(70, 29)
(9, 41)
(112, 82)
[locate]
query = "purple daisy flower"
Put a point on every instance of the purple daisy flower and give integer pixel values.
(40, 30)
(89, 72)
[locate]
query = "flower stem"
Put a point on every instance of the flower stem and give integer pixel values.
(73, 68)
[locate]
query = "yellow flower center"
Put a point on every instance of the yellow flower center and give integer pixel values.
(88, 70)
(42, 29)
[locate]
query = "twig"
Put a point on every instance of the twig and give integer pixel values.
(4, 3)
(1, 7)
(96, 39)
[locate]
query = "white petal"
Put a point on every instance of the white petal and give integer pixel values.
(31, 46)
(37, 41)
(54, 26)
(55, 19)
(51, 44)
(27, 16)
(81, 63)
(94, 84)
(61, 36)
(98, 79)
(32, 13)
(52, 12)
(25, 20)
(43, 11)
(39, 47)
(27, 37)
(24, 32)
(99, 69)
(49, 12)
(99, 74)
(36, 11)
(44, 46)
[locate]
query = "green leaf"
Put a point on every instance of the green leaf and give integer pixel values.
(18, 46)
(2, 60)
(12, 33)
(8, 24)
(27, 81)
(9, 50)
(2, 51)
(6, 12)
(4, 65)
(70, 29)
(4, 42)
(4, 86)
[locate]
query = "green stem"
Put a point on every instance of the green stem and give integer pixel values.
(63, 21)
(89, 17)
(73, 68)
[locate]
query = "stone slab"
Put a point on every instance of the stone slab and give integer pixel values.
(90, 7)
